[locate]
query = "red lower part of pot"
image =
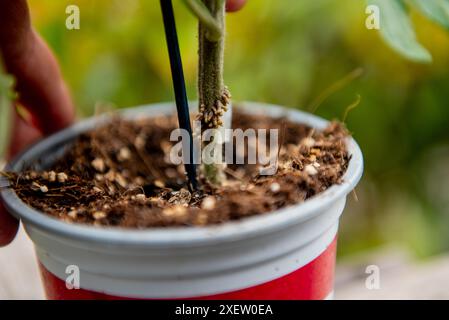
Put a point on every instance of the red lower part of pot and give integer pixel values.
(314, 281)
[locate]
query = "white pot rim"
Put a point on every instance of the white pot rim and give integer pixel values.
(180, 236)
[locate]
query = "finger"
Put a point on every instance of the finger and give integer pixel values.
(8, 227)
(39, 81)
(14, 23)
(41, 88)
(234, 5)
(15, 27)
(24, 134)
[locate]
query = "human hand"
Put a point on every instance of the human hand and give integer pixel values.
(234, 5)
(41, 90)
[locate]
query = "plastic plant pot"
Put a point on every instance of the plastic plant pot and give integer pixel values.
(288, 254)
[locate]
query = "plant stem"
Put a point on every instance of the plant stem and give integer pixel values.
(213, 95)
(205, 17)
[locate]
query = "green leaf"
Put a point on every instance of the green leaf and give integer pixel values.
(436, 10)
(397, 30)
(6, 96)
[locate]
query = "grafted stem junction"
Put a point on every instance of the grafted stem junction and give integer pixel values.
(214, 97)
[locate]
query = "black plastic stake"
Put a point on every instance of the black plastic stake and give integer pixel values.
(182, 104)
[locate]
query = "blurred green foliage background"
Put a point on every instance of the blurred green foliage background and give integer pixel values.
(288, 52)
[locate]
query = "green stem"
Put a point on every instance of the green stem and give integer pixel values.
(213, 95)
(201, 11)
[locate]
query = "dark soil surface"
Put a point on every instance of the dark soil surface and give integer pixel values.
(120, 175)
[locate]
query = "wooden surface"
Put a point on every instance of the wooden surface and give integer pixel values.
(401, 277)
(19, 276)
